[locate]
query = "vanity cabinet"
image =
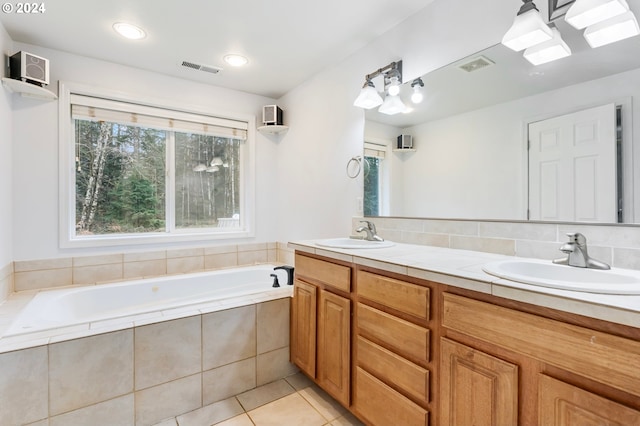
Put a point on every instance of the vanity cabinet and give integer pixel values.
(567, 370)
(398, 350)
(392, 350)
(321, 324)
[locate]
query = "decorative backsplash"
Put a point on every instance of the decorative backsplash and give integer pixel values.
(87, 270)
(617, 245)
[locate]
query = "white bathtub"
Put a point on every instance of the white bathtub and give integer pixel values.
(67, 307)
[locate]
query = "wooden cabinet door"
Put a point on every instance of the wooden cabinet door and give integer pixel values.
(303, 327)
(561, 404)
(476, 388)
(334, 337)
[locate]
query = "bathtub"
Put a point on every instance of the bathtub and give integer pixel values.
(82, 305)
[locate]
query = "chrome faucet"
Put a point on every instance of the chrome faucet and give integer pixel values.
(370, 229)
(576, 251)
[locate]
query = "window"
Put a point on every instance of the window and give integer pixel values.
(142, 172)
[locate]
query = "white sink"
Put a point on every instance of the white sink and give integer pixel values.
(548, 274)
(352, 243)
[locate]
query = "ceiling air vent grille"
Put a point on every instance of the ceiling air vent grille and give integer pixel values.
(476, 63)
(198, 67)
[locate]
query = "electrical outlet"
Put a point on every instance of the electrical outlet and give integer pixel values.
(359, 205)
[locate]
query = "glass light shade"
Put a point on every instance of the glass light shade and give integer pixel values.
(394, 86)
(527, 30)
(612, 30)
(548, 51)
(368, 97)
(584, 13)
(416, 96)
(392, 105)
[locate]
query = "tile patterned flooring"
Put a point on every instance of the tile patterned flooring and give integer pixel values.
(293, 401)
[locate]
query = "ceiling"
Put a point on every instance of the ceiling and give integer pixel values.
(286, 41)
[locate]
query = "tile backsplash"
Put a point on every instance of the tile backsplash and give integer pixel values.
(88, 270)
(617, 245)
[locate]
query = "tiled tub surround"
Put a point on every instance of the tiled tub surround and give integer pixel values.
(85, 270)
(617, 245)
(143, 374)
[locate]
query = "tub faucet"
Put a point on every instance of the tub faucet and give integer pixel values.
(370, 229)
(576, 251)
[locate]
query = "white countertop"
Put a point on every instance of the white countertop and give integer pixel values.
(463, 268)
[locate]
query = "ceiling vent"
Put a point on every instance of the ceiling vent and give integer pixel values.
(199, 67)
(476, 63)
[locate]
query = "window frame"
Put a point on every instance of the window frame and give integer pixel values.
(67, 190)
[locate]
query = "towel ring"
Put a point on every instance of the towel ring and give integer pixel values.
(354, 163)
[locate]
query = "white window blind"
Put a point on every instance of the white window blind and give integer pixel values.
(374, 150)
(98, 109)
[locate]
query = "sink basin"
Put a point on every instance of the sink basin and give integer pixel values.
(352, 243)
(547, 274)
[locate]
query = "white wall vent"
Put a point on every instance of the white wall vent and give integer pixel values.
(199, 67)
(476, 63)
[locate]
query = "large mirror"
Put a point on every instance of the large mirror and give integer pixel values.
(489, 139)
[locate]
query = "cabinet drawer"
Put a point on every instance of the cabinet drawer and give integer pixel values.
(407, 338)
(405, 297)
(602, 357)
(327, 273)
(382, 406)
(391, 368)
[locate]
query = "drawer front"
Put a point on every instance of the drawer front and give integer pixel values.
(404, 336)
(382, 406)
(405, 297)
(602, 357)
(327, 273)
(412, 379)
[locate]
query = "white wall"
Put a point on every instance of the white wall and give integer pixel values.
(6, 165)
(317, 199)
(35, 148)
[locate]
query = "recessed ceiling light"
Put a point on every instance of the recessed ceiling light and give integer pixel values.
(129, 31)
(235, 60)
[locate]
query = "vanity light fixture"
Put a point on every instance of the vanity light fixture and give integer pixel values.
(528, 28)
(129, 31)
(392, 105)
(548, 51)
(370, 98)
(584, 13)
(417, 95)
(613, 29)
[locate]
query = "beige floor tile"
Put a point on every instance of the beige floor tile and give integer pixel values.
(328, 407)
(292, 410)
(241, 420)
(299, 381)
(265, 394)
(212, 414)
(347, 420)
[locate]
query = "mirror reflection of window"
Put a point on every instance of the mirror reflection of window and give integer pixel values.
(374, 155)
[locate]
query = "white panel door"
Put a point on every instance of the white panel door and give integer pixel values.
(572, 167)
